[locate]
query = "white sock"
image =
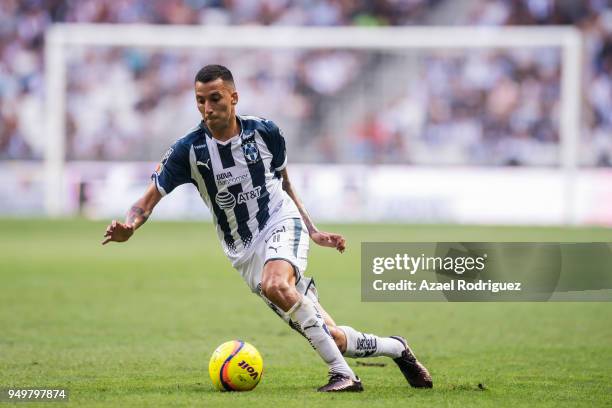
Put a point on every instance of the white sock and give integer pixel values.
(369, 345)
(314, 328)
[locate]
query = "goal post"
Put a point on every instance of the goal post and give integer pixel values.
(60, 36)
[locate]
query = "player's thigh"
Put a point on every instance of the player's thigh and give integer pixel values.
(276, 271)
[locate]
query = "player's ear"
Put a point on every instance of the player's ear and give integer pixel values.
(234, 98)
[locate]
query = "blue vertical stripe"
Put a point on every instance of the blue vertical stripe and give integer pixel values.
(241, 211)
(225, 153)
(258, 177)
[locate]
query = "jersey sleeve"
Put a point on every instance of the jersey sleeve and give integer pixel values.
(172, 170)
(276, 144)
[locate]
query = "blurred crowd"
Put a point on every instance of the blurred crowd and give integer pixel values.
(536, 112)
(479, 107)
(499, 107)
(127, 95)
(487, 106)
(115, 97)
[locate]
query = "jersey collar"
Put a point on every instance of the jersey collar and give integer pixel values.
(208, 133)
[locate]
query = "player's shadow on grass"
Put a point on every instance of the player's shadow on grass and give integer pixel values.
(200, 388)
(466, 387)
(204, 388)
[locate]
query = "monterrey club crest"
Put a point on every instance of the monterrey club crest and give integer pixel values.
(251, 152)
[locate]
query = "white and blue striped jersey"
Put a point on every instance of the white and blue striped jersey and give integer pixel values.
(238, 180)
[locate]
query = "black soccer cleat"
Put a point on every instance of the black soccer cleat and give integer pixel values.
(415, 373)
(341, 383)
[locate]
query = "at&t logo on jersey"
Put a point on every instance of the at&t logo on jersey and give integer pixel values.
(225, 200)
(249, 195)
(251, 153)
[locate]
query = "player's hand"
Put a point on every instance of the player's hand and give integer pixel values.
(328, 239)
(118, 232)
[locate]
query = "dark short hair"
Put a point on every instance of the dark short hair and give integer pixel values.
(212, 72)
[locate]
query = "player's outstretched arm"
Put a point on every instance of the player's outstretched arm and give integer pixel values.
(136, 216)
(322, 238)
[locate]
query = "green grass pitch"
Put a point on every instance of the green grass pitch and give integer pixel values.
(134, 324)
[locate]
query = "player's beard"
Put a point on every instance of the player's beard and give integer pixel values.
(216, 123)
(220, 123)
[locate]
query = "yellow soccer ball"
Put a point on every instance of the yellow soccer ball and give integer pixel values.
(235, 366)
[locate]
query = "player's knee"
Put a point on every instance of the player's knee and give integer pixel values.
(276, 279)
(275, 287)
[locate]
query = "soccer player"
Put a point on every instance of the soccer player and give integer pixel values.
(239, 166)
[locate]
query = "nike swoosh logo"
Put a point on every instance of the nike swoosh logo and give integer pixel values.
(199, 163)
